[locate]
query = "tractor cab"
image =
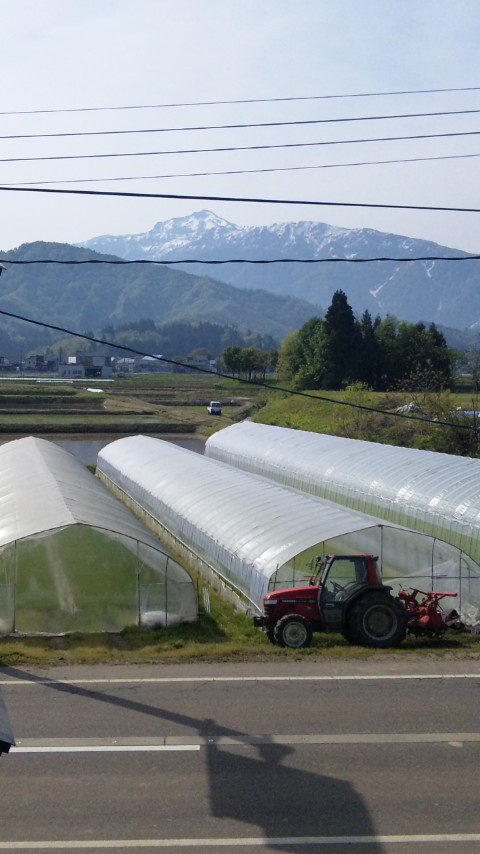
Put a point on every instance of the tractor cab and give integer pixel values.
(340, 577)
(335, 575)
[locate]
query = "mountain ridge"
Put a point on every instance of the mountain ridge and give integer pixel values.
(443, 292)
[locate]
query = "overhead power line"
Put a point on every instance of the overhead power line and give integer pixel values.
(239, 101)
(238, 126)
(222, 149)
(239, 171)
(124, 262)
(281, 389)
(239, 199)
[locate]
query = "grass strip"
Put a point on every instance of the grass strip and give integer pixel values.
(223, 635)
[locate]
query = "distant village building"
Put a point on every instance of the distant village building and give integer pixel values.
(38, 364)
(124, 365)
(201, 361)
(150, 365)
(70, 370)
(86, 365)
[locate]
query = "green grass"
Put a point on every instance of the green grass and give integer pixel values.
(322, 416)
(222, 635)
(301, 413)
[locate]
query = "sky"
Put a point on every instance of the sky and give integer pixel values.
(315, 64)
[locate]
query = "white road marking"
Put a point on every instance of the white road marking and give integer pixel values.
(156, 680)
(101, 749)
(196, 742)
(247, 841)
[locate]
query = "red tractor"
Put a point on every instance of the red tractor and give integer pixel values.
(345, 595)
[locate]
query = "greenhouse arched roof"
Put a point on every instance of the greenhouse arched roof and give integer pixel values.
(43, 487)
(437, 494)
(73, 558)
(248, 528)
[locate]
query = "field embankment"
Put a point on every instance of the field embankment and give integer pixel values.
(153, 404)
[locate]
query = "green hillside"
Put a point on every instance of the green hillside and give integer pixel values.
(89, 296)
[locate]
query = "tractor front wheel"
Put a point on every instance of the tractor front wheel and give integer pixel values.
(376, 620)
(270, 633)
(293, 631)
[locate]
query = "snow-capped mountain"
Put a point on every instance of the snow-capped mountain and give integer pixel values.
(445, 292)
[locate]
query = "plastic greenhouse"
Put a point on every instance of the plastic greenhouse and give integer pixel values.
(435, 494)
(73, 558)
(254, 533)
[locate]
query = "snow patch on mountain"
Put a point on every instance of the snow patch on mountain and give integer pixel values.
(443, 292)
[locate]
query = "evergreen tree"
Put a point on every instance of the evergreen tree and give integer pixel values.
(427, 362)
(343, 341)
(369, 362)
(390, 366)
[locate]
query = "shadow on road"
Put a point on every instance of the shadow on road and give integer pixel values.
(265, 791)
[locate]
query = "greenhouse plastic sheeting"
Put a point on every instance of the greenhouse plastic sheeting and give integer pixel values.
(72, 557)
(253, 532)
(436, 494)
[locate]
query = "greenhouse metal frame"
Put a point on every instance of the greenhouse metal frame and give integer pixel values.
(435, 494)
(73, 558)
(256, 534)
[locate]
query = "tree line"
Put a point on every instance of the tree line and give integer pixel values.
(250, 362)
(329, 353)
(383, 354)
(174, 340)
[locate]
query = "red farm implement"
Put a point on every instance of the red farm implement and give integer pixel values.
(426, 617)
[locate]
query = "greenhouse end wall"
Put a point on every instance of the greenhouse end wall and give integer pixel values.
(80, 579)
(72, 557)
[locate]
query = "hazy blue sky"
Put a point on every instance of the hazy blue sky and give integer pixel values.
(71, 54)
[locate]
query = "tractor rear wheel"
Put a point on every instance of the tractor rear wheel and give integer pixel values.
(293, 631)
(376, 620)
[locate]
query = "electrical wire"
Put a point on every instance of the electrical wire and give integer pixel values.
(123, 262)
(190, 197)
(238, 171)
(281, 389)
(222, 149)
(239, 101)
(296, 123)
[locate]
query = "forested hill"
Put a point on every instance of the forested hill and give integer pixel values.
(92, 296)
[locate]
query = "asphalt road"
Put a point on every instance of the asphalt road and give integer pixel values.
(378, 756)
